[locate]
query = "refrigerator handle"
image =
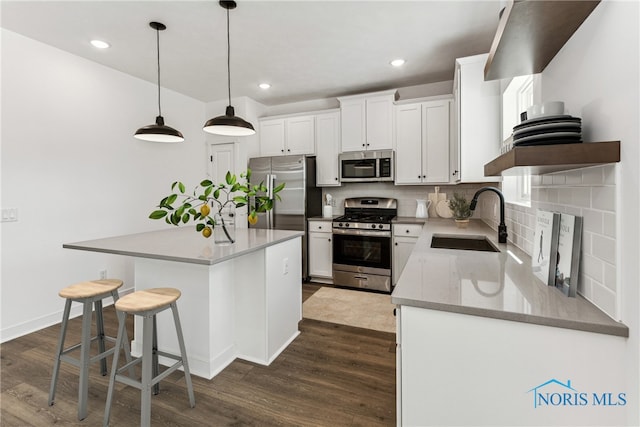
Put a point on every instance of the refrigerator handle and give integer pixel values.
(271, 179)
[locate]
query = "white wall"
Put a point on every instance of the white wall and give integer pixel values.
(71, 166)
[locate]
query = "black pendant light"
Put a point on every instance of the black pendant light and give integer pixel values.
(229, 124)
(158, 132)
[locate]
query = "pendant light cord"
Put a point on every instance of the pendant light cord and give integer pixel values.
(228, 59)
(158, 49)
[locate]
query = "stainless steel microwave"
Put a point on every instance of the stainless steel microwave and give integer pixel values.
(366, 166)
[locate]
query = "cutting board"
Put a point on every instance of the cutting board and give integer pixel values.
(435, 198)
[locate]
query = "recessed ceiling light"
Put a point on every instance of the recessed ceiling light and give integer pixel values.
(398, 62)
(264, 86)
(100, 44)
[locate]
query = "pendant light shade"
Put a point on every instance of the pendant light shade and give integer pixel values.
(229, 124)
(158, 132)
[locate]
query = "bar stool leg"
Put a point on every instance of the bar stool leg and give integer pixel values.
(85, 346)
(156, 365)
(56, 363)
(147, 370)
(183, 354)
(100, 335)
(122, 332)
(125, 342)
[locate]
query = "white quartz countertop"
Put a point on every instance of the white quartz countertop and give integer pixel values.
(184, 244)
(499, 285)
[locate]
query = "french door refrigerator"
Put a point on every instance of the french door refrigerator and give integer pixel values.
(300, 198)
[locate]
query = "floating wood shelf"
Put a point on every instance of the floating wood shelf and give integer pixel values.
(542, 159)
(531, 32)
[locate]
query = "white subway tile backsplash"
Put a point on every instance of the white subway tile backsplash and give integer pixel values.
(604, 248)
(585, 287)
(609, 172)
(593, 267)
(547, 179)
(581, 196)
(592, 221)
(592, 176)
(605, 299)
(573, 178)
(558, 179)
(610, 277)
(609, 224)
(604, 198)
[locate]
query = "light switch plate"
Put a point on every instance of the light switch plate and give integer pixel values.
(9, 214)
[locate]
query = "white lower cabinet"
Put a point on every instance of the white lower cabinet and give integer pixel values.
(405, 237)
(320, 251)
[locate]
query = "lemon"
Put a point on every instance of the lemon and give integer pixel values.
(253, 219)
(205, 210)
(206, 232)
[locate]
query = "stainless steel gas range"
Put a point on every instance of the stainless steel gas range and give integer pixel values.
(362, 243)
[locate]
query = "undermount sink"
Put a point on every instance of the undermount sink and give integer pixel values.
(467, 243)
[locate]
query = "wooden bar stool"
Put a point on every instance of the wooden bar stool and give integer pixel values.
(87, 293)
(147, 303)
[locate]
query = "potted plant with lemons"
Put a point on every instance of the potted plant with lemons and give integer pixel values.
(461, 210)
(180, 208)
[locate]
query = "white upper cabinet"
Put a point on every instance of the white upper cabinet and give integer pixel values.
(327, 149)
(287, 135)
(366, 121)
(422, 139)
(477, 116)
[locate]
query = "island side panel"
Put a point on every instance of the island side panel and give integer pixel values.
(205, 307)
(284, 295)
(490, 367)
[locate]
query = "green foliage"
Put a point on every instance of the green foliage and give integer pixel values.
(180, 207)
(459, 206)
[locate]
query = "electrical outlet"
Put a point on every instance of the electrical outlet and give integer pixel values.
(9, 214)
(495, 211)
(285, 266)
(103, 274)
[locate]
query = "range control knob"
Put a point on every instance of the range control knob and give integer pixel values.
(347, 224)
(339, 224)
(380, 226)
(373, 226)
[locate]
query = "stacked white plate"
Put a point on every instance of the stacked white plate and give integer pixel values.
(563, 129)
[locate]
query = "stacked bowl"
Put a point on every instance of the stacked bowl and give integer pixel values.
(547, 124)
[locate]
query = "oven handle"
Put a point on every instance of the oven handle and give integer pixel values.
(355, 232)
(361, 277)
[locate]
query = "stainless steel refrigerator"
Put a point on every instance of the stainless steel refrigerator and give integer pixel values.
(301, 199)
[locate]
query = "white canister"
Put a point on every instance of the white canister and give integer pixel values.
(327, 211)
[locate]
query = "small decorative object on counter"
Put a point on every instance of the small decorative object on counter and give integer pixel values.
(422, 208)
(225, 197)
(461, 210)
(327, 209)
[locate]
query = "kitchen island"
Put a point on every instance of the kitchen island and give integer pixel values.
(241, 300)
(479, 332)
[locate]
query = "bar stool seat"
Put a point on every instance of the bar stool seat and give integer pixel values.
(148, 303)
(88, 293)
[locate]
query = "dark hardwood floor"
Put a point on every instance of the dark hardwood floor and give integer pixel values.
(331, 375)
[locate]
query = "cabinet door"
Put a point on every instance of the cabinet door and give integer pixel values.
(435, 151)
(408, 144)
(320, 255)
(300, 133)
(272, 134)
(327, 149)
(402, 247)
(479, 134)
(352, 117)
(379, 131)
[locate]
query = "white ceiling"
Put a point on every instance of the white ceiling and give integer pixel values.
(305, 49)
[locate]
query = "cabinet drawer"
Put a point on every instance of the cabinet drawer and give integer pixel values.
(411, 230)
(320, 226)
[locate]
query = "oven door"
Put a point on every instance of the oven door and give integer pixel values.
(362, 248)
